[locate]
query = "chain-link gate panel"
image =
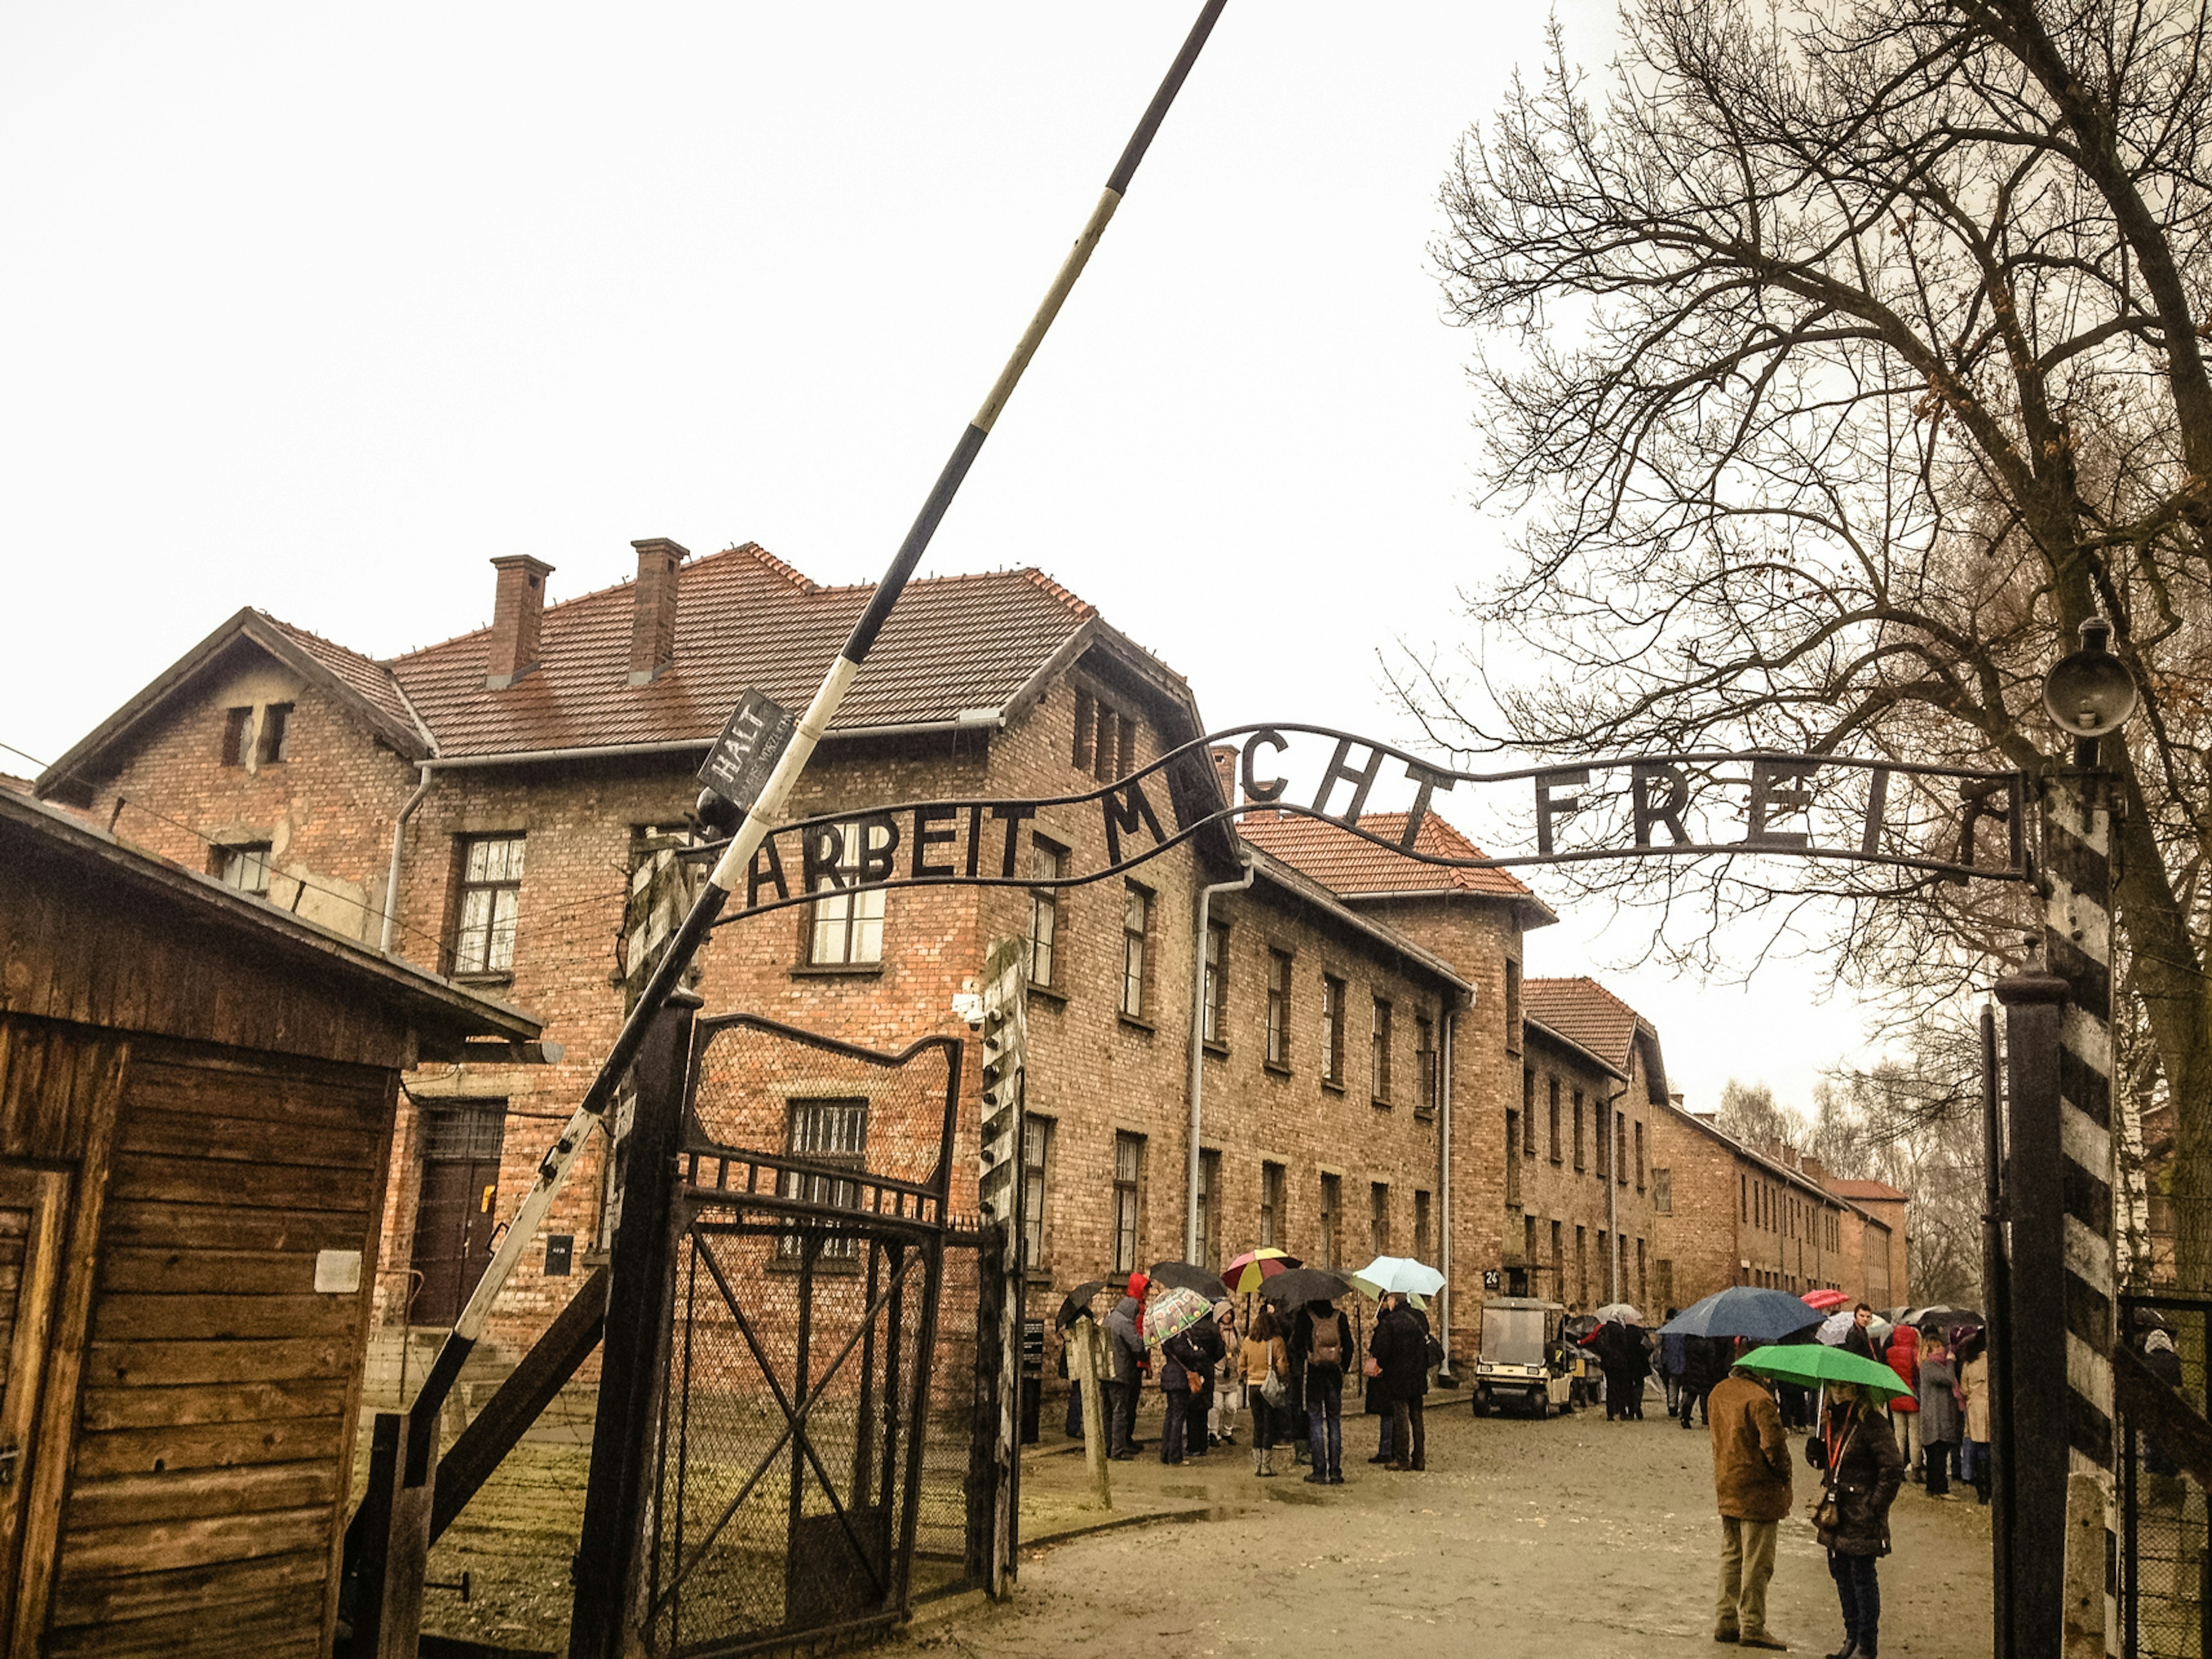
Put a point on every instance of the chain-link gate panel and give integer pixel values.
(2165, 1553)
(814, 1439)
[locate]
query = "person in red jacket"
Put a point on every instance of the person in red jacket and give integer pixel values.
(1903, 1358)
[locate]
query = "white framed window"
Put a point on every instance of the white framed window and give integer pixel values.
(848, 928)
(1217, 982)
(490, 903)
(1128, 1175)
(1136, 928)
(1046, 863)
(245, 867)
(1279, 1008)
(1037, 1171)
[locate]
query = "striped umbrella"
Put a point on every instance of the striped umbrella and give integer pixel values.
(1253, 1268)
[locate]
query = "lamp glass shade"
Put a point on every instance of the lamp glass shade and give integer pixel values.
(2090, 693)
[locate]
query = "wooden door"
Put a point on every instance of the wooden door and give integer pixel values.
(458, 1209)
(31, 1216)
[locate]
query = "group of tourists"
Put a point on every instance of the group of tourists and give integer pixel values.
(1288, 1368)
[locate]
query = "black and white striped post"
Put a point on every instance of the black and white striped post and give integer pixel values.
(998, 1193)
(766, 815)
(2060, 1176)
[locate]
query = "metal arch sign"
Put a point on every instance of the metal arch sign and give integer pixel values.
(1807, 806)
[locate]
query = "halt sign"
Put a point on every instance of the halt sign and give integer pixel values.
(738, 766)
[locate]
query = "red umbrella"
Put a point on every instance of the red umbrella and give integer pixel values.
(1824, 1301)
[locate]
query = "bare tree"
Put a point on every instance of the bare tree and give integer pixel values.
(1837, 363)
(1748, 1111)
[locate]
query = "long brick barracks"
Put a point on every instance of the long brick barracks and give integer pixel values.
(1376, 1075)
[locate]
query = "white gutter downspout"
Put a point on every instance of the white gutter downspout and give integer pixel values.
(1612, 1196)
(392, 877)
(1444, 1182)
(1198, 1047)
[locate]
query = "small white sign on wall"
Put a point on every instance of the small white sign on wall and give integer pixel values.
(337, 1271)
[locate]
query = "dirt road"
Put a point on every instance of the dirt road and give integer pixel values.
(1570, 1537)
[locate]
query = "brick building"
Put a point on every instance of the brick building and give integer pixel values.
(1728, 1213)
(1578, 1146)
(483, 805)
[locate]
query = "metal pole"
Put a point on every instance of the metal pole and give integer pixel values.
(766, 816)
(1444, 1262)
(632, 1367)
(1197, 988)
(1996, 1293)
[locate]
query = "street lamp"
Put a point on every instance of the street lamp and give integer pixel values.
(2090, 694)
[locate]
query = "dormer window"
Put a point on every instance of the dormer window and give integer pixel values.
(275, 734)
(237, 735)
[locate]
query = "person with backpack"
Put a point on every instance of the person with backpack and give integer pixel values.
(1265, 1362)
(1322, 1339)
(1125, 1349)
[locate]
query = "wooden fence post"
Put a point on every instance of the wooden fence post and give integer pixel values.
(1084, 1364)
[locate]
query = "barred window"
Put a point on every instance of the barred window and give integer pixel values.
(826, 1132)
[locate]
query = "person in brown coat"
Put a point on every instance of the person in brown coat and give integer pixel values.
(1751, 1480)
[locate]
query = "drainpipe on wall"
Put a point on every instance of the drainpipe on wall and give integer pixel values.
(1612, 1199)
(1198, 1050)
(392, 877)
(1444, 1184)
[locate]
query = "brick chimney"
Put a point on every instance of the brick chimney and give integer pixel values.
(1225, 757)
(652, 616)
(516, 610)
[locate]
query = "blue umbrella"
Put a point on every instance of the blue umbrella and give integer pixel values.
(1744, 1310)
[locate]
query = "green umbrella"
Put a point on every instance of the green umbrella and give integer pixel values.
(1814, 1363)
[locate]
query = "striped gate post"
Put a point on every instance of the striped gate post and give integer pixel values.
(2059, 1199)
(998, 1192)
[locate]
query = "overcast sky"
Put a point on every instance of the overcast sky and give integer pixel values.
(317, 308)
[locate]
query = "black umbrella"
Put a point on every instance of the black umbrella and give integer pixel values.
(1942, 1319)
(1188, 1276)
(1303, 1284)
(1077, 1303)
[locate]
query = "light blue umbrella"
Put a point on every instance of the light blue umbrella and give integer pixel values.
(1744, 1310)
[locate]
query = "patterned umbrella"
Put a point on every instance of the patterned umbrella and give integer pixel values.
(1173, 1312)
(1245, 1275)
(1835, 1327)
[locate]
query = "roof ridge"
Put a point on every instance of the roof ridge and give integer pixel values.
(760, 555)
(293, 628)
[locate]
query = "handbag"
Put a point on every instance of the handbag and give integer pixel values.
(1825, 1510)
(1273, 1388)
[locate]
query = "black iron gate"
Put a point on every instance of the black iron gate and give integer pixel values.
(805, 1467)
(2164, 1578)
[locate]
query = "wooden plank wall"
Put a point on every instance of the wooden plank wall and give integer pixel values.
(219, 1390)
(69, 950)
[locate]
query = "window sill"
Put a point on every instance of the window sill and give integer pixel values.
(837, 970)
(1424, 1115)
(1046, 995)
(1333, 1087)
(1380, 1105)
(1219, 1050)
(1275, 1068)
(505, 978)
(1136, 1024)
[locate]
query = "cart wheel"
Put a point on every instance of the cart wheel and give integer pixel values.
(1480, 1402)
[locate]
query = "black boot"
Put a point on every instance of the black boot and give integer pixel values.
(1851, 1650)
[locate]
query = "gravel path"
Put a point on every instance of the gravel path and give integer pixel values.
(1573, 1536)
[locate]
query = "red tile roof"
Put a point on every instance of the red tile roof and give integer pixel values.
(1584, 1012)
(744, 618)
(364, 677)
(1876, 1190)
(1345, 864)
